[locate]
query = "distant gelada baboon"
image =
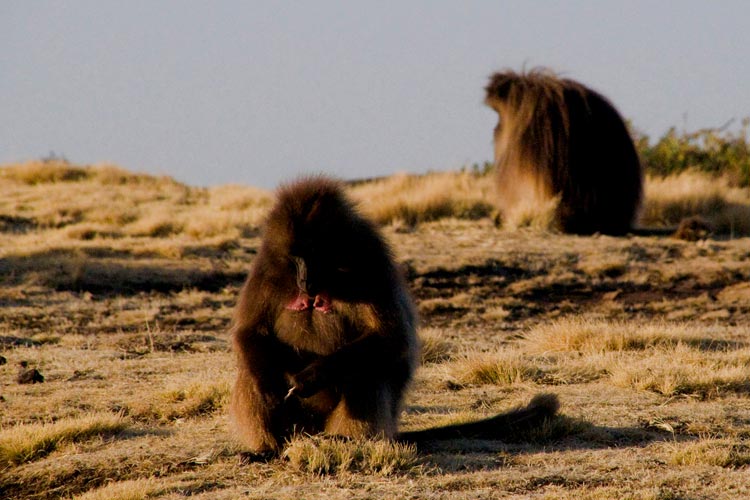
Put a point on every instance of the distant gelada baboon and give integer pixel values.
(325, 330)
(557, 138)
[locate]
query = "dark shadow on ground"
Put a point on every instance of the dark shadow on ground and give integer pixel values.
(112, 274)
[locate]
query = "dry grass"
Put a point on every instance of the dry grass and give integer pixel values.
(710, 451)
(502, 367)
(198, 399)
(434, 346)
(411, 199)
(532, 215)
(24, 443)
(135, 489)
(671, 199)
(119, 288)
(589, 336)
(320, 456)
(672, 359)
(684, 370)
(104, 202)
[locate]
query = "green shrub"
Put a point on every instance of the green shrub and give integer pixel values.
(716, 151)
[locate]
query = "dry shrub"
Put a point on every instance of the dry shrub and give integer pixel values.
(28, 442)
(325, 455)
(668, 200)
(411, 199)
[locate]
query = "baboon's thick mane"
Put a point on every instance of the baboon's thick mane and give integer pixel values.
(558, 138)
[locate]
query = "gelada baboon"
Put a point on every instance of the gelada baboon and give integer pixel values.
(324, 329)
(556, 138)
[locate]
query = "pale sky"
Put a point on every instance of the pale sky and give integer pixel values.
(258, 92)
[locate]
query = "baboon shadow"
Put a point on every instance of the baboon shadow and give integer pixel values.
(559, 434)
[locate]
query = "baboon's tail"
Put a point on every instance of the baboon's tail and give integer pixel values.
(501, 426)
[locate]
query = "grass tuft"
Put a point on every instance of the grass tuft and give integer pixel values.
(540, 216)
(196, 400)
(44, 171)
(684, 370)
(598, 336)
(671, 199)
(434, 347)
(503, 367)
(411, 199)
(134, 489)
(710, 451)
(326, 455)
(27, 442)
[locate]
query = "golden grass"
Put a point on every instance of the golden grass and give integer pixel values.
(675, 358)
(500, 367)
(56, 170)
(134, 489)
(711, 451)
(411, 199)
(197, 399)
(82, 273)
(434, 347)
(589, 336)
(330, 455)
(681, 369)
(106, 202)
(161, 207)
(540, 216)
(671, 199)
(40, 172)
(27, 442)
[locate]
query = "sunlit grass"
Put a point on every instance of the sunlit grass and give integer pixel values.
(196, 399)
(134, 489)
(434, 346)
(27, 442)
(326, 455)
(711, 451)
(588, 336)
(411, 199)
(671, 199)
(500, 367)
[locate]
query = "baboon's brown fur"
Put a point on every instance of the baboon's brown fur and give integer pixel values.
(557, 138)
(325, 331)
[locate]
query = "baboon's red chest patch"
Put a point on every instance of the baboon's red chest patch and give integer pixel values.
(303, 302)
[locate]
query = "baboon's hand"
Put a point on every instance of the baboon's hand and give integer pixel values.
(309, 381)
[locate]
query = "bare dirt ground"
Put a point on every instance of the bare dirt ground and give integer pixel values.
(141, 337)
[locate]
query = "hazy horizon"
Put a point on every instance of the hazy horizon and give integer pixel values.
(260, 92)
